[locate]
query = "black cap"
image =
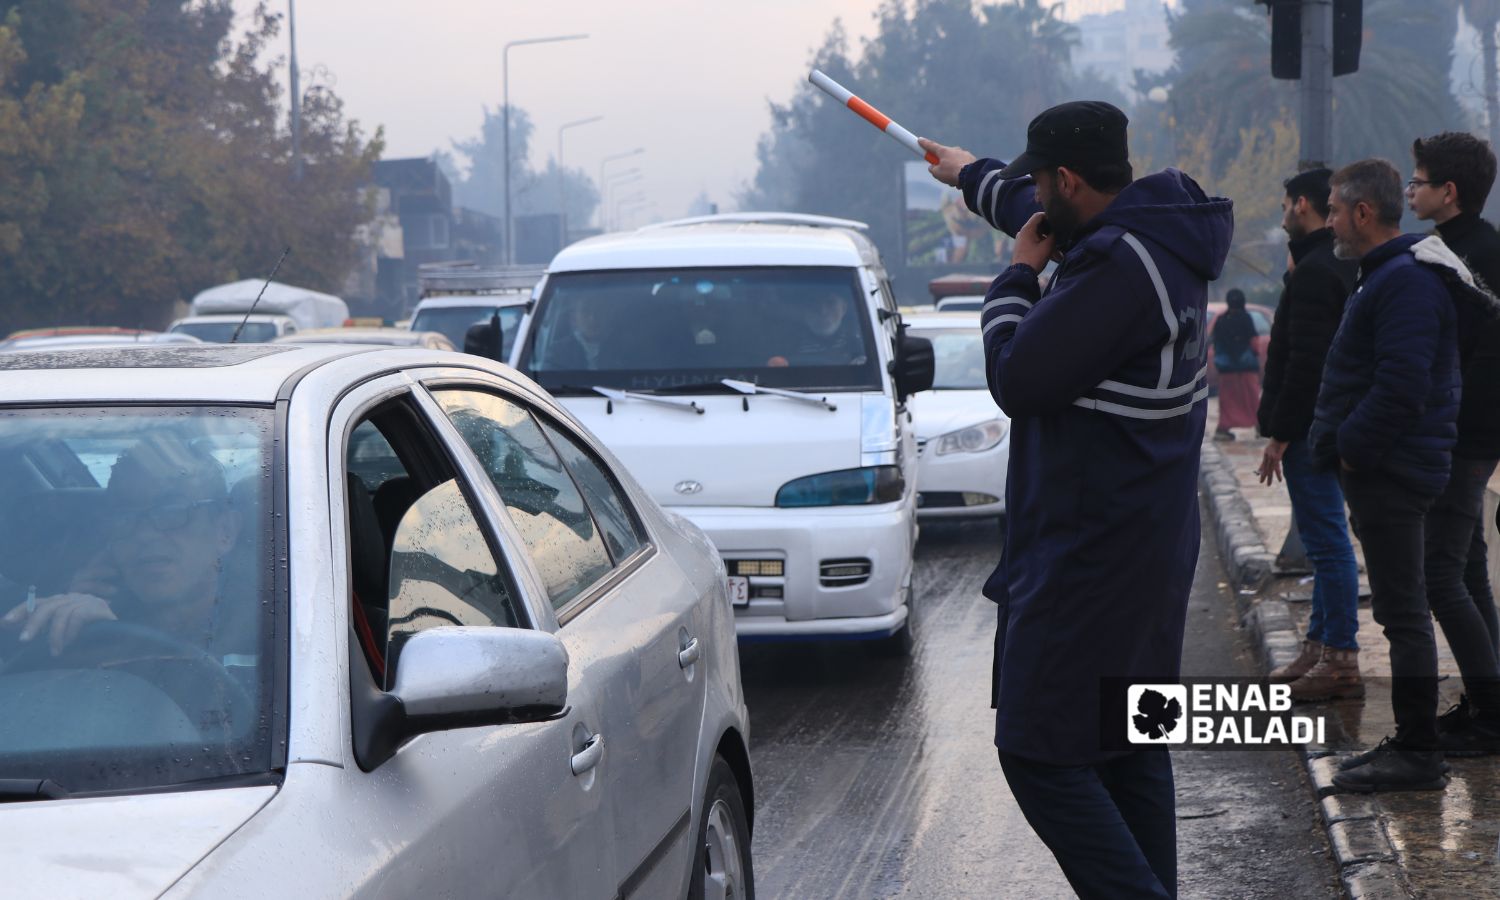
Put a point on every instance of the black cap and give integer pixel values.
(1077, 135)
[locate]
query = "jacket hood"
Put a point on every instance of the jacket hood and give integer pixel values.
(1433, 252)
(1174, 212)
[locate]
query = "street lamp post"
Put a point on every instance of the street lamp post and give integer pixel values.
(293, 76)
(622, 177)
(604, 210)
(510, 241)
(562, 175)
(626, 202)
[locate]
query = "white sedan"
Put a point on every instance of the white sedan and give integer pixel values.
(963, 438)
(336, 621)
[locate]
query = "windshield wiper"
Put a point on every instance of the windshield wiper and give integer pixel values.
(617, 394)
(19, 790)
(747, 387)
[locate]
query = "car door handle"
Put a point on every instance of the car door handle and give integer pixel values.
(589, 756)
(689, 653)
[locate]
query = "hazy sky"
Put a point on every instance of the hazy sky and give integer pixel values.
(689, 80)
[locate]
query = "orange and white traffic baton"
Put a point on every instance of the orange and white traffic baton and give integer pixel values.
(870, 114)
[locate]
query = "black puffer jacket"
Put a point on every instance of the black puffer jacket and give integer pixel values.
(1312, 304)
(1391, 387)
(1478, 245)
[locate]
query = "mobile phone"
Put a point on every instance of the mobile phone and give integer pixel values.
(1044, 228)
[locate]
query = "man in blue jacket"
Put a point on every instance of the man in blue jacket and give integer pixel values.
(1385, 419)
(1104, 377)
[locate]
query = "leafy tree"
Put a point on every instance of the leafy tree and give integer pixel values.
(482, 186)
(1234, 127)
(1221, 85)
(146, 157)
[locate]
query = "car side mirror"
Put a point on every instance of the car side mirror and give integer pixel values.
(460, 677)
(486, 339)
(915, 367)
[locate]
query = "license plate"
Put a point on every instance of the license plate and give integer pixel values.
(739, 590)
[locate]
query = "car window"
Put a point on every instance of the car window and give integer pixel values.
(137, 542)
(678, 329)
(1262, 324)
(617, 521)
(544, 502)
(419, 558)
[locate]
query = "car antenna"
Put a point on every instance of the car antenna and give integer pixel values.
(251, 311)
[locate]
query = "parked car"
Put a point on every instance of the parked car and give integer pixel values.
(68, 337)
(381, 336)
(335, 621)
(751, 371)
(963, 438)
(1260, 315)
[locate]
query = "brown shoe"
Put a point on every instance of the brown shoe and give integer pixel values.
(1334, 677)
(1298, 667)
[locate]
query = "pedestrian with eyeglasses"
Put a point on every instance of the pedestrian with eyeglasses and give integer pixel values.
(1451, 179)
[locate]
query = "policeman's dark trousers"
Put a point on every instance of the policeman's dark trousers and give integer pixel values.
(1389, 519)
(1451, 526)
(1112, 826)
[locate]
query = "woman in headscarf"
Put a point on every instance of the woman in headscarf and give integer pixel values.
(1238, 367)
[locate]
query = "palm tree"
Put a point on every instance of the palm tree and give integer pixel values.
(1484, 15)
(1223, 87)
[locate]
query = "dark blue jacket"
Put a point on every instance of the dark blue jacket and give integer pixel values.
(1105, 380)
(1390, 393)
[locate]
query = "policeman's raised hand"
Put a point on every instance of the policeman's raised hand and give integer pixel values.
(1032, 247)
(950, 160)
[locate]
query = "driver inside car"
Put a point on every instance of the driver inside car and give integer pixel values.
(828, 335)
(169, 529)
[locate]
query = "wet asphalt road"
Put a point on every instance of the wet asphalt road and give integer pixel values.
(877, 777)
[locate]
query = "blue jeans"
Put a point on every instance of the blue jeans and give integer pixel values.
(1318, 507)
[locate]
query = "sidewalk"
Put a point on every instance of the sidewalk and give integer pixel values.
(1420, 844)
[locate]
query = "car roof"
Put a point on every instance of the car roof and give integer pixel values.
(469, 301)
(955, 319)
(222, 317)
(389, 336)
(716, 244)
(224, 373)
(74, 330)
(60, 341)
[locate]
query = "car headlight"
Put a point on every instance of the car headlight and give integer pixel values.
(974, 439)
(847, 487)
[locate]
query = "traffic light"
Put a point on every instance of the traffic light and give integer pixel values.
(1286, 36)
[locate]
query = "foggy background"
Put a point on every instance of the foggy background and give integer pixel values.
(146, 148)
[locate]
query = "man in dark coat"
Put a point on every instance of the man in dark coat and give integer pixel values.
(1386, 418)
(1312, 304)
(1450, 181)
(1105, 380)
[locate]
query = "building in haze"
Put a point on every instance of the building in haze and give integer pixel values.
(1130, 35)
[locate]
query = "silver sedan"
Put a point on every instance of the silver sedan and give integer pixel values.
(344, 621)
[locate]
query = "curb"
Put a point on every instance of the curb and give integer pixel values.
(1368, 864)
(1241, 547)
